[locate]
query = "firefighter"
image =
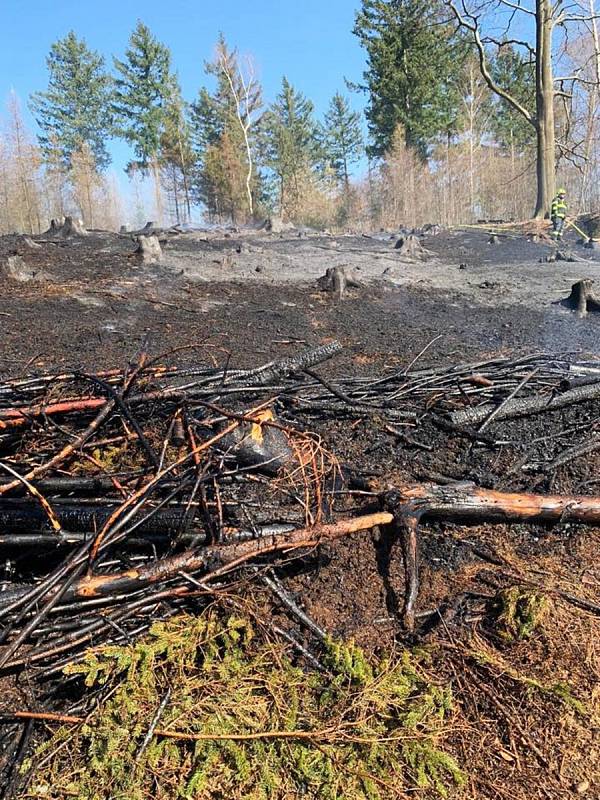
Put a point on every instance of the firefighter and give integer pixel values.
(558, 214)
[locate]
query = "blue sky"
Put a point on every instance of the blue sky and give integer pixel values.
(311, 41)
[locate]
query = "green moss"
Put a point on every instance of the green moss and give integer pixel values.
(519, 612)
(376, 724)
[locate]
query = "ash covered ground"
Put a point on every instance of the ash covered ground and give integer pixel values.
(90, 301)
(252, 297)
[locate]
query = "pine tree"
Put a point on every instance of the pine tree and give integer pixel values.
(206, 121)
(142, 91)
(342, 138)
(291, 144)
(412, 56)
(76, 109)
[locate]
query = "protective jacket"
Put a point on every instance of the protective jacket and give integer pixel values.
(559, 208)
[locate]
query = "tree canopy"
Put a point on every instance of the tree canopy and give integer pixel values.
(75, 110)
(142, 90)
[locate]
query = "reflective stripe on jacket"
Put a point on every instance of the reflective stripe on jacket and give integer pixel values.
(559, 208)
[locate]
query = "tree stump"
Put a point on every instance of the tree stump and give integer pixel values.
(409, 246)
(275, 224)
(335, 280)
(15, 269)
(66, 228)
(583, 298)
(149, 249)
(431, 229)
(72, 227)
(55, 226)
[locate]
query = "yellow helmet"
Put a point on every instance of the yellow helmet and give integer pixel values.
(561, 191)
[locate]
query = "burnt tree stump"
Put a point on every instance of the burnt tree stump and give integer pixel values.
(336, 279)
(583, 298)
(149, 250)
(67, 228)
(72, 227)
(410, 247)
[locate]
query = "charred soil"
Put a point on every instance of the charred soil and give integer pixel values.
(524, 674)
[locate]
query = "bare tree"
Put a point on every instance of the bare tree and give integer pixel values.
(25, 159)
(547, 16)
(246, 94)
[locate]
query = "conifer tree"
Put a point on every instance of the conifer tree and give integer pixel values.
(75, 110)
(412, 58)
(342, 138)
(292, 146)
(515, 74)
(142, 90)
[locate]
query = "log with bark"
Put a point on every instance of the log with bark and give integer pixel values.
(517, 407)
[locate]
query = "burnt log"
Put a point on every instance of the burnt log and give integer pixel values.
(410, 503)
(405, 506)
(29, 243)
(583, 298)
(18, 516)
(228, 557)
(525, 406)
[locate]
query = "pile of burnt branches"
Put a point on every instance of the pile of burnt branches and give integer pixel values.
(128, 495)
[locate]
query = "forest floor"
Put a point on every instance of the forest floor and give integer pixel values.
(527, 710)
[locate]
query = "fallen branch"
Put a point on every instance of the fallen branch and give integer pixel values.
(526, 406)
(226, 556)
(329, 734)
(410, 503)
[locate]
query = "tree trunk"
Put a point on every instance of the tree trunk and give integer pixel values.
(546, 160)
(157, 190)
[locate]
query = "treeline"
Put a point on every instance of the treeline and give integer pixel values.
(443, 143)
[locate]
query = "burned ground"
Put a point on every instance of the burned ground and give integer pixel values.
(527, 706)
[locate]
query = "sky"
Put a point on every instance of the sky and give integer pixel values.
(310, 42)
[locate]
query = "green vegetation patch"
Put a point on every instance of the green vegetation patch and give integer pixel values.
(519, 612)
(365, 729)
